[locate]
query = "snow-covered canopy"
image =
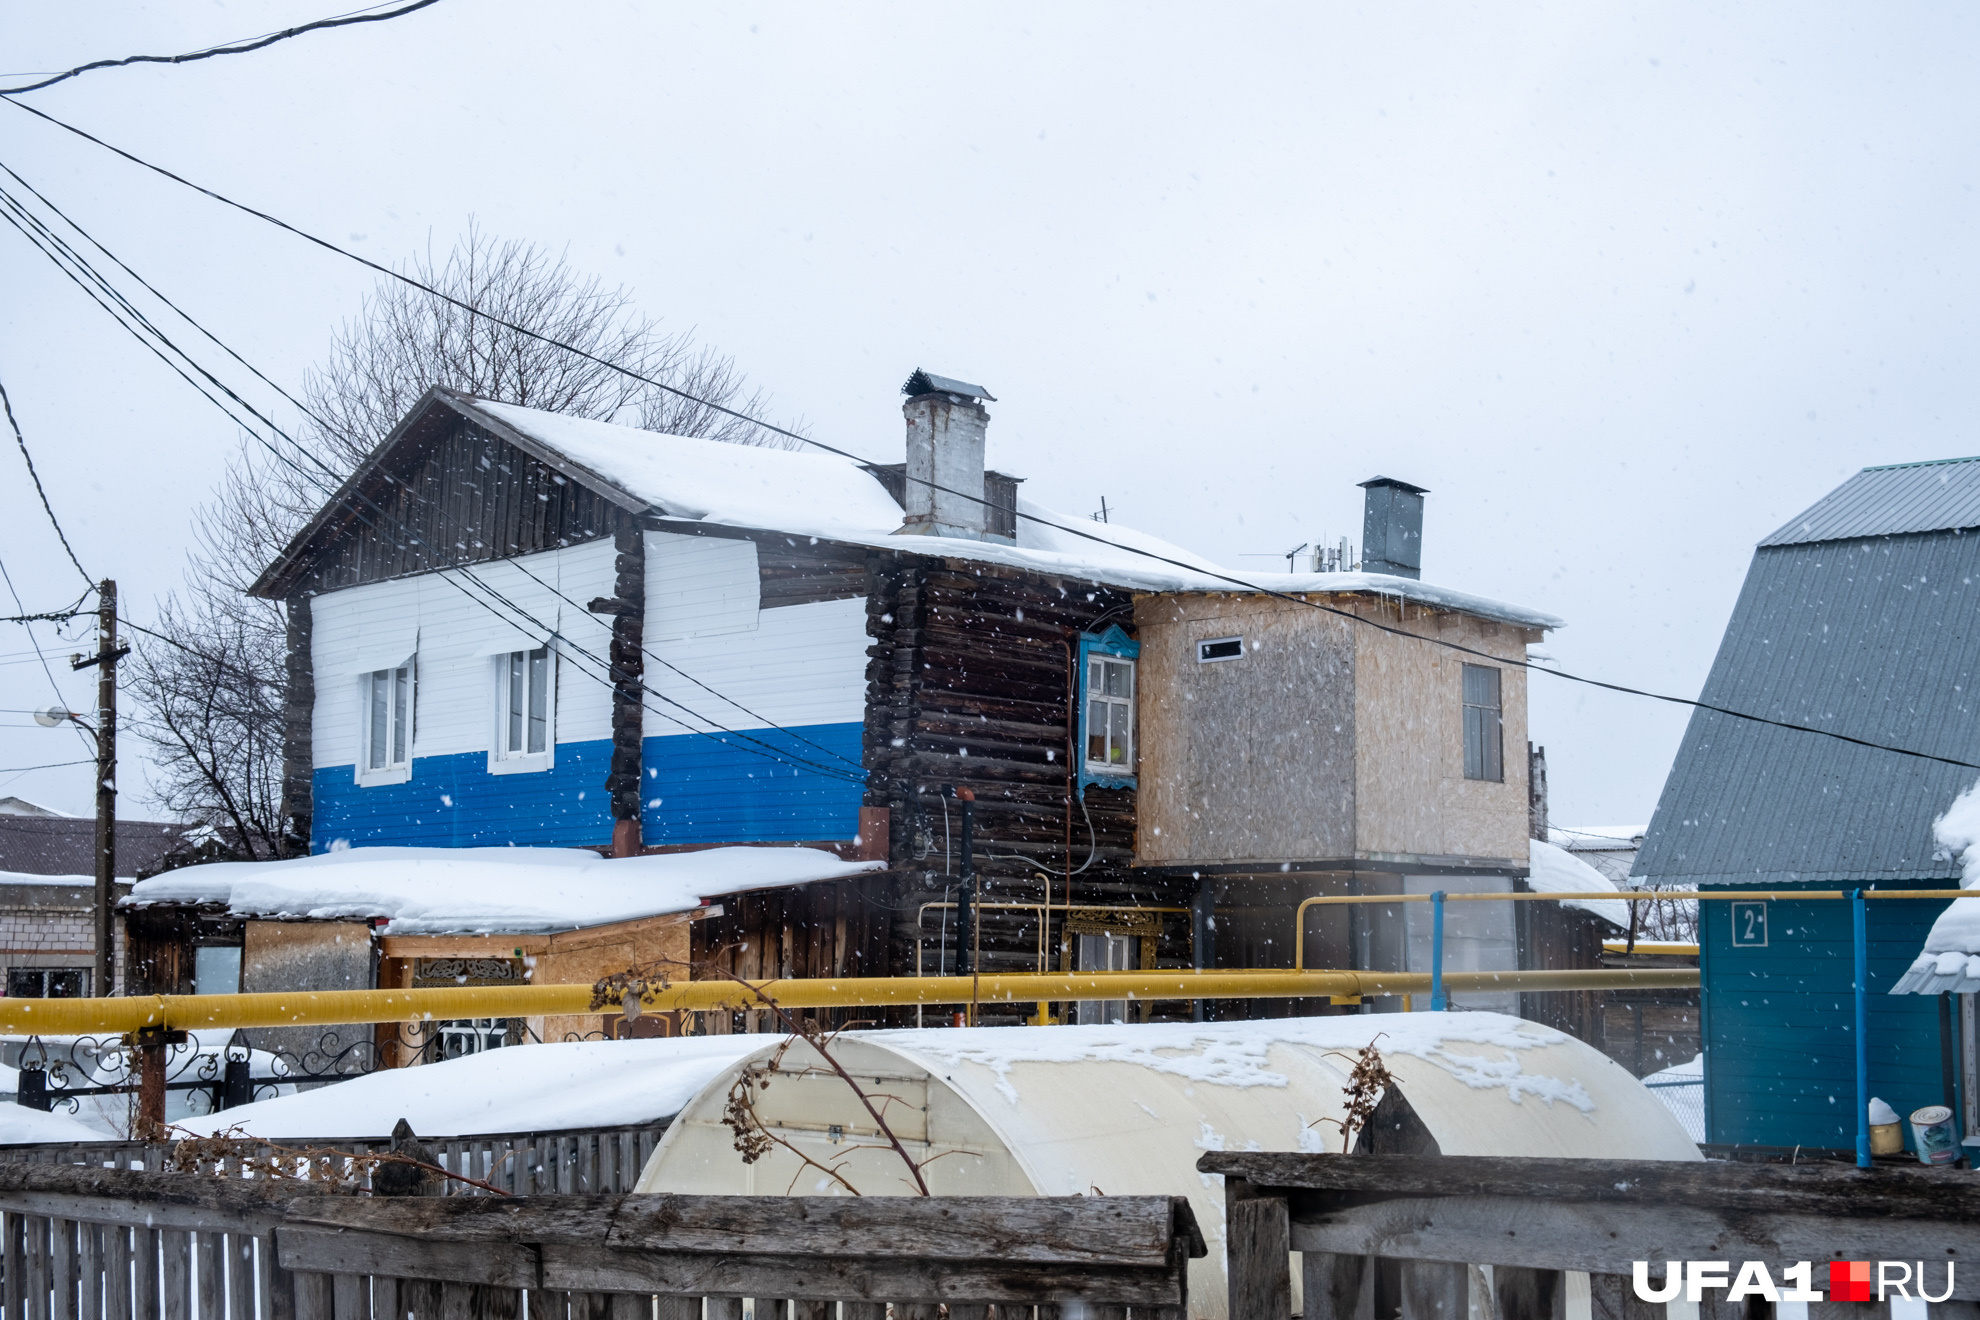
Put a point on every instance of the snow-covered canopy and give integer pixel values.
(814, 494)
(434, 891)
(1128, 1109)
(1597, 838)
(527, 1088)
(1557, 871)
(1950, 960)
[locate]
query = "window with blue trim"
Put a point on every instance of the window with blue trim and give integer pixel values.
(1107, 709)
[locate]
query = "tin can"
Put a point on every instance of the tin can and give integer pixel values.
(1932, 1133)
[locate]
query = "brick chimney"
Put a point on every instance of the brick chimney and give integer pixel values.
(943, 493)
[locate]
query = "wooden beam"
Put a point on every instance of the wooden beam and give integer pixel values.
(1918, 1192)
(1608, 1239)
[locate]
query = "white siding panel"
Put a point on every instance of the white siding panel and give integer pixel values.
(803, 664)
(456, 621)
(699, 586)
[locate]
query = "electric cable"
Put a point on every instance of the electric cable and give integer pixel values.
(10, 205)
(40, 490)
(310, 413)
(241, 47)
(978, 498)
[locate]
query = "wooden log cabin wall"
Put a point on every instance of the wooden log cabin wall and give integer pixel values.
(970, 685)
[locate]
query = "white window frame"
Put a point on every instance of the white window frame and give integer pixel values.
(502, 760)
(1089, 697)
(390, 770)
(1106, 952)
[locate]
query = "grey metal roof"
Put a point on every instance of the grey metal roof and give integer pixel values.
(43, 845)
(1876, 639)
(1889, 501)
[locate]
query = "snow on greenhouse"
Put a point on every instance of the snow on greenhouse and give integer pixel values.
(1129, 1109)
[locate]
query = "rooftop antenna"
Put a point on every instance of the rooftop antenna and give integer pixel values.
(1101, 516)
(1288, 555)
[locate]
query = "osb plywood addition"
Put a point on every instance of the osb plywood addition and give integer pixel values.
(1412, 798)
(1327, 741)
(1248, 759)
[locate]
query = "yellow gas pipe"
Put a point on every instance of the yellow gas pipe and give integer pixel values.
(151, 1013)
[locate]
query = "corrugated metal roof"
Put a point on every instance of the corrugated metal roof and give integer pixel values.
(1874, 639)
(1942, 495)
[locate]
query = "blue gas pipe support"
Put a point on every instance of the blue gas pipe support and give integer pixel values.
(1859, 911)
(1437, 1004)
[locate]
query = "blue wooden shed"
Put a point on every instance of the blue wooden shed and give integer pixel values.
(1859, 618)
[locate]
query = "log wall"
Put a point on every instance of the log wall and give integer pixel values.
(968, 687)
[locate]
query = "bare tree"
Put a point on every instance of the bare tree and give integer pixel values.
(212, 687)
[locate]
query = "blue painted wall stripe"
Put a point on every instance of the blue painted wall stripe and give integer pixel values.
(697, 790)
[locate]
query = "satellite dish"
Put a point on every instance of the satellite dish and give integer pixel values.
(50, 716)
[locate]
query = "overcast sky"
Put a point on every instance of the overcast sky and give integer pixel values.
(1625, 288)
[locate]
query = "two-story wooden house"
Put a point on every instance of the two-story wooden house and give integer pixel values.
(514, 627)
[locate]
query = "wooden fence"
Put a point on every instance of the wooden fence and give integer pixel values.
(1386, 1233)
(114, 1244)
(590, 1160)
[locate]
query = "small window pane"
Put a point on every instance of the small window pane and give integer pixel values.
(512, 681)
(401, 682)
(1096, 731)
(25, 983)
(1484, 751)
(539, 696)
(380, 740)
(1118, 751)
(216, 971)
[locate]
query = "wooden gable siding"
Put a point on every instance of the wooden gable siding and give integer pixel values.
(968, 686)
(455, 496)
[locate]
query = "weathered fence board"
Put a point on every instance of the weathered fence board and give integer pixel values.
(135, 1245)
(1533, 1219)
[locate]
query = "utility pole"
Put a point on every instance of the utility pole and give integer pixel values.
(108, 653)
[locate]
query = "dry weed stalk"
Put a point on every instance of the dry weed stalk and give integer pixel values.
(1366, 1083)
(636, 987)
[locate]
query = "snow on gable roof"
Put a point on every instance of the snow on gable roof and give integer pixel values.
(434, 891)
(821, 495)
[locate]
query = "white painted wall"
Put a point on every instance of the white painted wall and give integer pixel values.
(795, 665)
(458, 626)
(802, 664)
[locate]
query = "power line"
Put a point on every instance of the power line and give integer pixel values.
(977, 497)
(47, 508)
(82, 263)
(52, 765)
(56, 250)
(229, 48)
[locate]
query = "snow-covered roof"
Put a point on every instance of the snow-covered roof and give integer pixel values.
(528, 1088)
(1596, 838)
(1556, 870)
(435, 891)
(1950, 960)
(814, 494)
(29, 878)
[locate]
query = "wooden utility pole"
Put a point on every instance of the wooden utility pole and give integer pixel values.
(107, 655)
